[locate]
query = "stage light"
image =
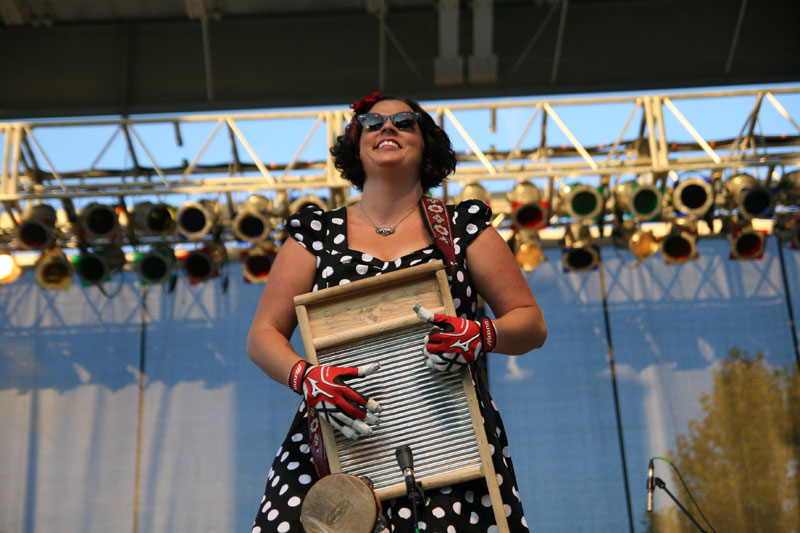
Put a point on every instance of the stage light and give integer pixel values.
(787, 228)
(579, 254)
(581, 202)
(680, 243)
(257, 262)
(37, 229)
(693, 196)
(203, 263)
(155, 266)
(642, 202)
(196, 219)
(280, 206)
(526, 207)
(474, 191)
(789, 189)
(528, 249)
(98, 221)
(747, 195)
(642, 243)
(747, 243)
(305, 201)
(10, 271)
(96, 266)
(53, 270)
(253, 221)
(154, 219)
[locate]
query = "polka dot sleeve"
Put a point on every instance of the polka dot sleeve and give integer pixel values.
(471, 217)
(307, 227)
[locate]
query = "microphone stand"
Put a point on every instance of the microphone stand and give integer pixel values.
(414, 496)
(413, 487)
(661, 485)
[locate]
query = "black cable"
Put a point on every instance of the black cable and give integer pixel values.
(687, 491)
(789, 309)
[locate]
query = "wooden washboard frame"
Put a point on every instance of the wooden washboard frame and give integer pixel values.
(373, 319)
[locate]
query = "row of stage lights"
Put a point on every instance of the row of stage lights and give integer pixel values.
(634, 208)
(100, 230)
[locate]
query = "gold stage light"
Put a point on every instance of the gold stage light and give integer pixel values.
(308, 200)
(693, 196)
(53, 270)
(747, 243)
(474, 191)
(10, 271)
(579, 253)
(154, 219)
(98, 221)
(748, 196)
(581, 202)
(527, 210)
(96, 266)
(155, 266)
(642, 243)
(680, 243)
(528, 249)
(257, 262)
(204, 262)
(196, 219)
(253, 220)
(642, 202)
(37, 229)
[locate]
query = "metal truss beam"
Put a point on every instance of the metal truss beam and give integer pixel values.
(31, 172)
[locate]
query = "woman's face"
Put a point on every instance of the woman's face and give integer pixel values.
(390, 147)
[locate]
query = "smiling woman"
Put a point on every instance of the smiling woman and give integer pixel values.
(393, 151)
(438, 157)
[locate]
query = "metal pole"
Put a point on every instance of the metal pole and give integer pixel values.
(559, 40)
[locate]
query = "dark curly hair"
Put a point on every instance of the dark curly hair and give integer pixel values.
(438, 158)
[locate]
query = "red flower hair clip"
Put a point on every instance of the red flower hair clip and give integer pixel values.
(363, 105)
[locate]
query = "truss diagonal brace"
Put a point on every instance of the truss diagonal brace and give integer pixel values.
(474, 147)
(270, 179)
(693, 132)
(563, 127)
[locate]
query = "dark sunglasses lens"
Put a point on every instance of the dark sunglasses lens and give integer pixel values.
(371, 121)
(405, 120)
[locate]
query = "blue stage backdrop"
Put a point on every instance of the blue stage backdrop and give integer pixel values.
(141, 412)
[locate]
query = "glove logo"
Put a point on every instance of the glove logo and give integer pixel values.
(464, 344)
(315, 390)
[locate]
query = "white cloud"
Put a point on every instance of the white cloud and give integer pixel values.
(515, 373)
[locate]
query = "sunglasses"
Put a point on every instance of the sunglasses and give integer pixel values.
(403, 120)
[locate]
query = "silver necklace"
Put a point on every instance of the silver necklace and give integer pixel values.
(385, 231)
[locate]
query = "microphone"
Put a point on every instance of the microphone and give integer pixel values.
(651, 484)
(406, 462)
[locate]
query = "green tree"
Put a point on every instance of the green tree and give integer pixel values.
(740, 461)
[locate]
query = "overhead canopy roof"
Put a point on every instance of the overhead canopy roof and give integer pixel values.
(82, 57)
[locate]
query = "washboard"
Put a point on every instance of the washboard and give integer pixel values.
(435, 413)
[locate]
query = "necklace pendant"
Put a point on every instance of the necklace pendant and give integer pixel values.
(384, 231)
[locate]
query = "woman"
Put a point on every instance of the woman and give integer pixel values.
(393, 152)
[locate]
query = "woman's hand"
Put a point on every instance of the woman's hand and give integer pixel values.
(324, 390)
(454, 342)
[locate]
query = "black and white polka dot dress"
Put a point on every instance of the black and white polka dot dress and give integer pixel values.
(462, 508)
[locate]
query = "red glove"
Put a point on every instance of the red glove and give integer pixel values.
(454, 342)
(324, 391)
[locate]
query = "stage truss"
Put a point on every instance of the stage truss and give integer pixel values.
(646, 138)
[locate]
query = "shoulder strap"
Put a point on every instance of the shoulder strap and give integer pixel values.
(438, 224)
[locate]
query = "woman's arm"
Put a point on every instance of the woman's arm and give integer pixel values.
(499, 280)
(268, 345)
